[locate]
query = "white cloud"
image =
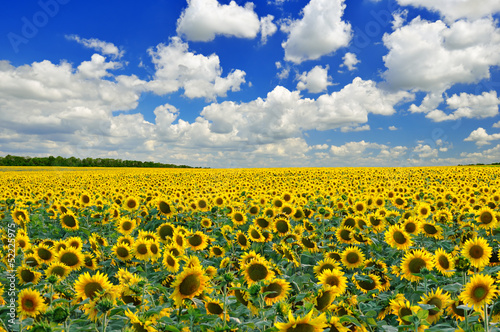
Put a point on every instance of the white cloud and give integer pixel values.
(98, 45)
(350, 61)
(456, 9)
(285, 70)
(393, 128)
(399, 18)
(97, 67)
(430, 103)
(485, 156)
(202, 20)
(319, 32)
(468, 106)
(267, 28)
(430, 56)
(496, 125)
(315, 81)
(425, 151)
(354, 148)
(347, 129)
(199, 75)
(481, 137)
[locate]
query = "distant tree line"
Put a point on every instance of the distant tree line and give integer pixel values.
(9, 160)
(479, 164)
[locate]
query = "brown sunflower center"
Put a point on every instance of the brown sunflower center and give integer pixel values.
(275, 288)
(69, 258)
(399, 237)
(308, 243)
(170, 261)
(443, 262)
(122, 252)
(323, 301)
(479, 293)
(254, 234)
(416, 264)
(142, 249)
(430, 229)
(166, 231)
(92, 288)
(476, 251)
(332, 281)
(410, 227)
(217, 251)
(214, 308)
(486, 217)
(202, 204)
(164, 207)
(287, 210)
(352, 257)
(189, 285)
(44, 254)
(27, 276)
(242, 240)
(399, 201)
(59, 271)
(238, 217)
(345, 234)
(262, 222)
(127, 225)
(438, 303)
(69, 221)
(131, 203)
(28, 304)
(326, 266)
(257, 271)
(367, 284)
(302, 327)
(282, 226)
(404, 312)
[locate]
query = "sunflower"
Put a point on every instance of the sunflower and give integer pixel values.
(432, 230)
(307, 323)
(262, 222)
(126, 225)
(69, 221)
(480, 290)
(90, 286)
(366, 282)
(281, 226)
(197, 241)
(30, 303)
(397, 238)
(85, 199)
(215, 307)
(74, 241)
(122, 251)
(414, 261)
(131, 203)
(308, 243)
(478, 251)
(242, 240)
(486, 218)
(276, 289)
(444, 262)
(333, 280)
(345, 234)
(352, 257)
(402, 308)
(323, 299)
(238, 218)
(255, 234)
(334, 324)
(253, 210)
(256, 270)
(179, 241)
(453, 310)
(20, 217)
(359, 207)
(325, 264)
(44, 253)
(141, 249)
(412, 226)
(170, 262)
(23, 241)
(165, 231)
(423, 210)
(298, 214)
(71, 257)
(164, 207)
(206, 223)
(189, 283)
(57, 269)
(440, 300)
(376, 222)
(26, 275)
(217, 251)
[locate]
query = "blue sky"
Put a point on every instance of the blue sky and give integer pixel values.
(252, 84)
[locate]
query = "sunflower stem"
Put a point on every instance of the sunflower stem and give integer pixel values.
(224, 304)
(486, 319)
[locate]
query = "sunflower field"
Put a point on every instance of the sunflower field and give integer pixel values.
(290, 249)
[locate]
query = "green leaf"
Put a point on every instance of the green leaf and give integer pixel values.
(423, 314)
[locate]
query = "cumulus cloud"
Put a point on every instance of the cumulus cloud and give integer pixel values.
(481, 137)
(315, 81)
(392, 128)
(354, 148)
(98, 45)
(347, 129)
(350, 61)
(468, 106)
(267, 28)
(319, 32)
(496, 125)
(452, 10)
(200, 76)
(425, 151)
(202, 20)
(431, 56)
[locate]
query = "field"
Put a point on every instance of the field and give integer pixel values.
(298, 249)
